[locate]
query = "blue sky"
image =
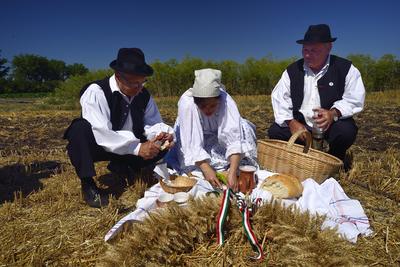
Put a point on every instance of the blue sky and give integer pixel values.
(90, 32)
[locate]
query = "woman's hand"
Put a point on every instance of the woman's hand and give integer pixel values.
(233, 180)
(233, 183)
(209, 173)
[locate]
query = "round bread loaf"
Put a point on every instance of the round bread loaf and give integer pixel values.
(283, 186)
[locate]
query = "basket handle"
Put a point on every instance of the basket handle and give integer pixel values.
(296, 135)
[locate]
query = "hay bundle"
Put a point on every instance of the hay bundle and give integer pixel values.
(179, 236)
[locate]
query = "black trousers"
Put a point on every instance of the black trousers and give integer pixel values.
(83, 151)
(340, 136)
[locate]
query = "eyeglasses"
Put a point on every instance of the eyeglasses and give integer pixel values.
(132, 84)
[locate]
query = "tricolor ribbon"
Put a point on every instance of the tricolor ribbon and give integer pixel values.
(223, 212)
(247, 228)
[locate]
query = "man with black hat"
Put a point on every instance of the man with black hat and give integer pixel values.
(322, 89)
(118, 118)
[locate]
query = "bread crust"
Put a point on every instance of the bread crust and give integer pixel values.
(283, 186)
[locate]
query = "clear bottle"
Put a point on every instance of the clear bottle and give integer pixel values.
(317, 135)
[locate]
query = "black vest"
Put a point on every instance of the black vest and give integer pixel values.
(119, 108)
(330, 86)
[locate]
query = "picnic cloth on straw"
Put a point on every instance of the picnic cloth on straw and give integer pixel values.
(327, 199)
(148, 204)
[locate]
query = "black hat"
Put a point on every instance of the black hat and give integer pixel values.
(317, 34)
(131, 60)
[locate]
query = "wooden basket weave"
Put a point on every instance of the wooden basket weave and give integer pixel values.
(303, 162)
(178, 184)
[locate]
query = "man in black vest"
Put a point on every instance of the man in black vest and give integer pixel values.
(118, 118)
(322, 89)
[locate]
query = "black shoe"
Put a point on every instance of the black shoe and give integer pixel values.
(93, 197)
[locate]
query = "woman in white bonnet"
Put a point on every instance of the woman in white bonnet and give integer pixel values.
(211, 134)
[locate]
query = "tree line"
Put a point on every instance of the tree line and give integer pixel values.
(31, 73)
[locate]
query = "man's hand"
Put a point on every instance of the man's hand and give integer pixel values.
(149, 149)
(162, 139)
(323, 118)
(296, 126)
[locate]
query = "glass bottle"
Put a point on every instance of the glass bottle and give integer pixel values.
(317, 134)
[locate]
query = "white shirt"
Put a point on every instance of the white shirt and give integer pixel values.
(96, 111)
(226, 122)
(352, 101)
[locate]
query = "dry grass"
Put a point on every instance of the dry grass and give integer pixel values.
(44, 220)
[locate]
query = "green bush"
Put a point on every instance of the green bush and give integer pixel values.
(253, 77)
(66, 95)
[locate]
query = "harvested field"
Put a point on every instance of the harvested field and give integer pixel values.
(45, 221)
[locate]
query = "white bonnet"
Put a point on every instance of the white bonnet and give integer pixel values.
(207, 83)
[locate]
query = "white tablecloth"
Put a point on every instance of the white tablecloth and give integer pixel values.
(327, 199)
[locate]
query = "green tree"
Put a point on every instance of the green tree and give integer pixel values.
(366, 65)
(3, 73)
(3, 69)
(76, 69)
(386, 73)
(32, 73)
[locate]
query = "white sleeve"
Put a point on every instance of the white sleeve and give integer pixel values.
(96, 111)
(153, 123)
(191, 132)
(229, 130)
(152, 115)
(353, 98)
(281, 100)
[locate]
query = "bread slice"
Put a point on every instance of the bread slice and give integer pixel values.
(164, 145)
(283, 186)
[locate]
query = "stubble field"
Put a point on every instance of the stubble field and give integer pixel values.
(44, 220)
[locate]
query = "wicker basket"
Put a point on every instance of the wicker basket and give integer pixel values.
(303, 162)
(178, 184)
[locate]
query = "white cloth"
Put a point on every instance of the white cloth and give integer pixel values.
(147, 204)
(326, 199)
(225, 128)
(96, 111)
(351, 103)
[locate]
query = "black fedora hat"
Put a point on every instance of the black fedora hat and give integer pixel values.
(131, 60)
(317, 34)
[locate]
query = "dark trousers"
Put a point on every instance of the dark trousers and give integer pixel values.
(83, 151)
(340, 136)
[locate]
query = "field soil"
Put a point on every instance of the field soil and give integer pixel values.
(44, 220)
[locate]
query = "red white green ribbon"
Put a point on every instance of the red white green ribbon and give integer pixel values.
(250, 234)
(223, 212)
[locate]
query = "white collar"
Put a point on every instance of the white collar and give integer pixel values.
(114, 87)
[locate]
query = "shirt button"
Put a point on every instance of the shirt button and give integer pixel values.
(127, 105)
(124, 114)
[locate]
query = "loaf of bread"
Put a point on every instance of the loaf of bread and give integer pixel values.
(283, 186)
